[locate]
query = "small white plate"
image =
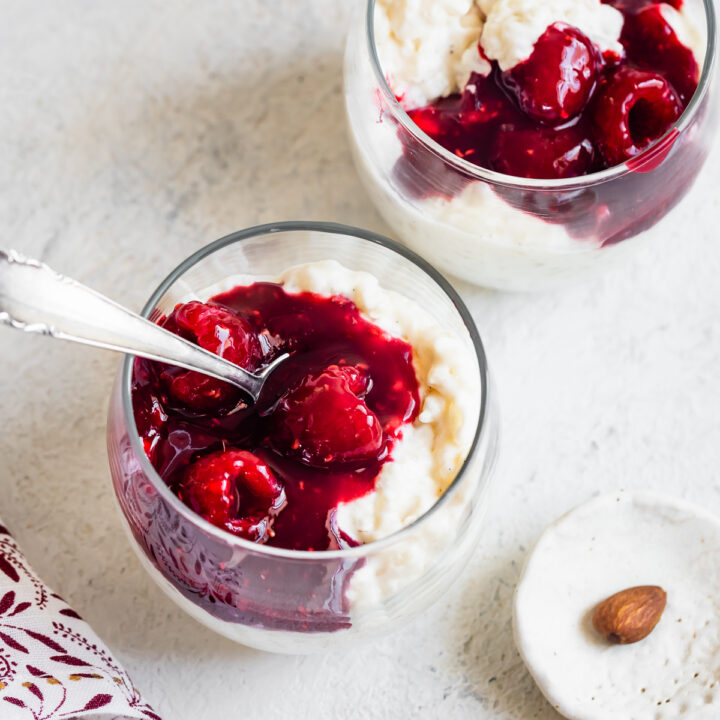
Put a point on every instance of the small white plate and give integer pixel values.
(608, 544)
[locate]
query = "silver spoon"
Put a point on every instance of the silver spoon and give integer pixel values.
(36, 299)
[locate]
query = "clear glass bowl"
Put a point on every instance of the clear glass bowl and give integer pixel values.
(284, 600)
(507, 232)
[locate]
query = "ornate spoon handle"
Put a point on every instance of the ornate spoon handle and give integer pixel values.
(36, 299)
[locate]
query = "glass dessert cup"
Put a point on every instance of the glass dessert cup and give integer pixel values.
(287, 600)
(507, 232)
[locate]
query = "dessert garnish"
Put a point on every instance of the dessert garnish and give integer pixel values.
(276, 472)
(223, 333)
(234, 490)
(324, 419)
(630, 615)
(570, 108)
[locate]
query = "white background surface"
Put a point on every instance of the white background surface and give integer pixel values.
(132, 133)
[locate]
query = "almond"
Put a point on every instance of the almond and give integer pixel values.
(630, 615)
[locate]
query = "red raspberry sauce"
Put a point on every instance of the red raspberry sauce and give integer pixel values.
(506, 121)
(319, 332)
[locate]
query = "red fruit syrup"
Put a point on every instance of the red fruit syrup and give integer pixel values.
(275, 474)
(554, 92)
(564, 112)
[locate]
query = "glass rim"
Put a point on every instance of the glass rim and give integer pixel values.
(481, 429)
(496, 178)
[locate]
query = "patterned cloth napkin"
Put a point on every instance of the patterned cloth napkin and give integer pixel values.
(52, 665)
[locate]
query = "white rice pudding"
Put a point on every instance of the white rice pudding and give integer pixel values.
(427, 457)
(427, 50)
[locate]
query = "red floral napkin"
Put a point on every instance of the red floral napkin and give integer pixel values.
(52, 665)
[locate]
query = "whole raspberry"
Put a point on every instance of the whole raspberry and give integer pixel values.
(234, 490)
(220, 331)
(631, 109)
(324, 421)
(555, 83)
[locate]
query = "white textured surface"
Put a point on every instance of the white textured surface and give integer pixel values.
(133, 132)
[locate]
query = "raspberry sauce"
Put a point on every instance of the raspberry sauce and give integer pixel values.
(633, 101)
(326, 425)
(546, 117)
